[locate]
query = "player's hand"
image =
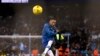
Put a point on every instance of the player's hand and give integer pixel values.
(57, 30)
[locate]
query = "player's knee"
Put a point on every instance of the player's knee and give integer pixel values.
(48, 46)
(50, 43)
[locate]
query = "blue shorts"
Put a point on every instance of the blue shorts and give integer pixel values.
(46, 43)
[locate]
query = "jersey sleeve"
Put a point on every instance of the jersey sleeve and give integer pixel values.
(50, 32)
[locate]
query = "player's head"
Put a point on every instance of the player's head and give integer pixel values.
(52, 22)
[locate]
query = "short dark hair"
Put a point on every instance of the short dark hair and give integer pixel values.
(52, 19)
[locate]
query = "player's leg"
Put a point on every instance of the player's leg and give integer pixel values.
(48, 47)
(57, 46)
(57, 52)
(50, 53)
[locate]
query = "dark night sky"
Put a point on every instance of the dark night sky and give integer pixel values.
(19, 17)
